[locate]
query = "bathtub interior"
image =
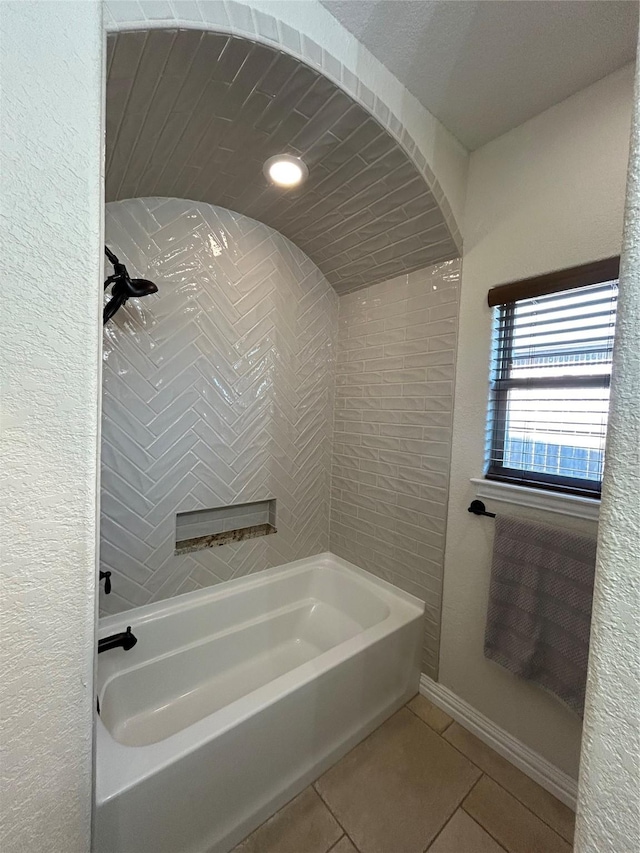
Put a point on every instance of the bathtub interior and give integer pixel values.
(192, 661)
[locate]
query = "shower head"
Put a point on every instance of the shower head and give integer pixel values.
(123, 287)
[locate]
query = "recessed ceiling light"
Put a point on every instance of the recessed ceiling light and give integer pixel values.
(284, 170)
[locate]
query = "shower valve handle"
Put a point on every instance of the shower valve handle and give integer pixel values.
(106, 576)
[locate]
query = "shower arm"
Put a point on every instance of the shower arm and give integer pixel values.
(123, 286)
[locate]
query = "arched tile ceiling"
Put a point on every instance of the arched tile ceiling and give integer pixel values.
(194, 115)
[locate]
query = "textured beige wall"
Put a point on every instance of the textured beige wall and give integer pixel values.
(609, 793)
(547, 195)
(392, 433)
(50, 191)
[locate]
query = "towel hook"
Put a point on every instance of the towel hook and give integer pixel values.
(478, 508)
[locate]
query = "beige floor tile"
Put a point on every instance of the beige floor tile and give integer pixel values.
(395, 791)
(344, 846)
(509, 822)
(430, 713)
(541, 802)
(463, 835)
(304, 824)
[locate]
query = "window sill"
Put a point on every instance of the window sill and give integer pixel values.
(573, 505)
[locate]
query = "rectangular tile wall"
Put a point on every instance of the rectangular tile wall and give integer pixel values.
(392, 433)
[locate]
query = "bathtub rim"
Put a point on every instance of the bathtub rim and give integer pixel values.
(120, 767)
(185, 601)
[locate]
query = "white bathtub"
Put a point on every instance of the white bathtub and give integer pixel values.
(236, 697)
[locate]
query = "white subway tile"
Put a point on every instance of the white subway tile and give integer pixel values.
(441, 372)
(438, 404)
(414, 317)
(395, 457)
(411, 404)
(385, 363)
(442, 312)
(266, 26)
(391, 417)
(361, 428)
(401, 430)
(377, 467)
(214, 12)
(415, 389)
(383, 390)
(427, 359)
(401, 408)
(409, 348)
(388, 337)
(435, 463)
(426, 330)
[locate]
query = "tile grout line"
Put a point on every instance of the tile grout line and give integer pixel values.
(470, 818)
(277, 812)
(550, 828)
(483, 828)
(477, 822)
(344, 835)
(489, 776)
(334, 816)
(440, 831)
(482, 773)
(452, 721)
(446, 728)
(326, 804)
(457, 806)
(464, 797)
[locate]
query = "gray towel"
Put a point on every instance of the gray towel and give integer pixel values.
(539, 613)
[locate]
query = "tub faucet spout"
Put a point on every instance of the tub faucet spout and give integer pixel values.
(125, 639)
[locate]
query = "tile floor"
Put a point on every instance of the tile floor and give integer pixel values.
(419, 783)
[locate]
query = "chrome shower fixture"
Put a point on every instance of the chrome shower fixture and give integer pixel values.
(123, 286)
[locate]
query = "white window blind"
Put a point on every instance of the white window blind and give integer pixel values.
(550, 388)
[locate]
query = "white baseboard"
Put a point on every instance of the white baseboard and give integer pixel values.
(562, 786)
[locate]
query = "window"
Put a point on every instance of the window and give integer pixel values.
(551, 369)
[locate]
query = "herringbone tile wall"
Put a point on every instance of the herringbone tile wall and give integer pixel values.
(392, 435)
(217, 390)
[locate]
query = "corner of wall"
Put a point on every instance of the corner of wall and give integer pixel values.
(51, 152)
(546, 195)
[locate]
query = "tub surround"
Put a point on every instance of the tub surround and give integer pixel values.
(216, 422)
(283, 672)
(392, 435)
(220, 390)
(217, 390)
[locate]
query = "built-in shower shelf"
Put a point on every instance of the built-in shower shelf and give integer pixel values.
(210, 528)
(199, 543)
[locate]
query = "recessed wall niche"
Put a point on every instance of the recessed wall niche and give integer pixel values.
(208, 528)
